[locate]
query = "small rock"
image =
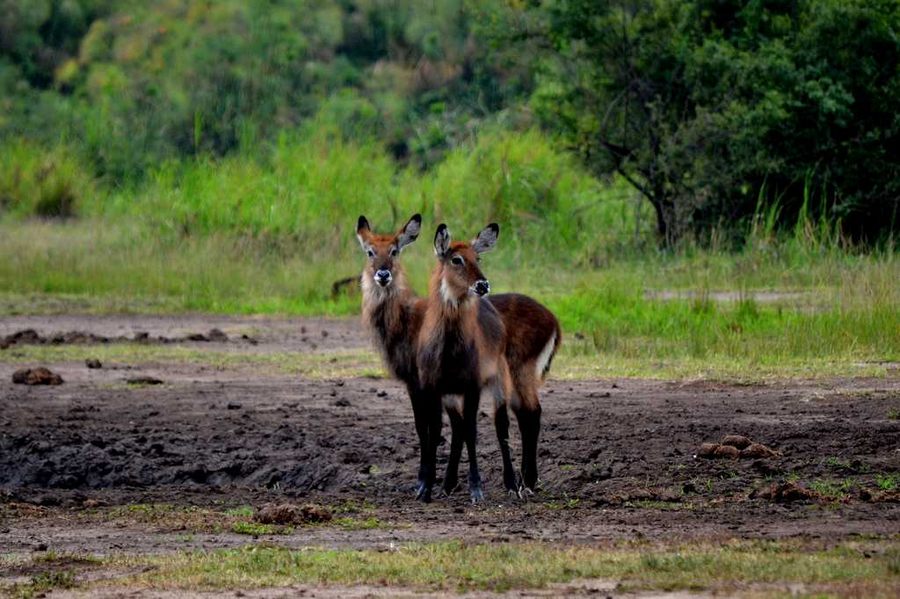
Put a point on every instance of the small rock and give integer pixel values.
(93, 363)
(381, 394)
(343, 403)
(36, 376)
(234, 406)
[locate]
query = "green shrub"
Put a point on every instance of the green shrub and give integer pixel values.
(36, 181)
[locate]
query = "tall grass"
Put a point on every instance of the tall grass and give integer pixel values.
(273, 232)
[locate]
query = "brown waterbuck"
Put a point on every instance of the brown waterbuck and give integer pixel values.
(468, 344)
(394, 315)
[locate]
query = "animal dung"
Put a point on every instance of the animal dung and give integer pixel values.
(36, 376)
(735, 447)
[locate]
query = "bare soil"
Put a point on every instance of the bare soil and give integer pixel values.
(618, 458)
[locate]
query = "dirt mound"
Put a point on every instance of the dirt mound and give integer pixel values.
(736, 447)
(786, 493)
(36, 376)
(144, 380)
(892, 496)
(286, 513)
(32, 337)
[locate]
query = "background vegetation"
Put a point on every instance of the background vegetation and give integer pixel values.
(654, 164)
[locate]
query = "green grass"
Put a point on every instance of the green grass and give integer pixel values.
(868, 568)
(271, 233)
(256, 529)
(887, 482)
(458, 566)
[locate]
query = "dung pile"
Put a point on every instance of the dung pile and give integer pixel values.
(736, 447)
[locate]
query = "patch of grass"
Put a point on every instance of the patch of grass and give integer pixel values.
(893, 414)
(351, 523)
(245, 511)
(257, 529)
(460, 566)
(43, 583)
(837, 463)
(887, 482)
(833, 490)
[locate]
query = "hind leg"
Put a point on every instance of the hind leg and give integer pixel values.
(470, 423)
(528, 413)
(530, 428)
(501, 424)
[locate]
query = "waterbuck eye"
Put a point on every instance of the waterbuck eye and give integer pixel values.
(394, 252)
(457, 260)
(370, 252)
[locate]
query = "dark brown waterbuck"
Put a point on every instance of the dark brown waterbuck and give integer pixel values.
(395, 315)
(468, 344)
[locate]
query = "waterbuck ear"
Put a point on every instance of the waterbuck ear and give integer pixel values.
(441, 240)
(362, 232)
(485, 240)
(410, 232)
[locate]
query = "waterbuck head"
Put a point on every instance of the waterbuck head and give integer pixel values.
(383, 251)
(458, 274)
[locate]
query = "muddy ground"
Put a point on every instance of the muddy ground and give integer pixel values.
(617, 457)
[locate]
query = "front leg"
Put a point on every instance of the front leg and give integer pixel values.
(470, 421)
(434, 417)
(420, 412)
(457, 435)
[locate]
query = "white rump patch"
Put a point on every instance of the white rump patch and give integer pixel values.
(544, 359)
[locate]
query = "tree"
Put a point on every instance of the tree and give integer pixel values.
(708, 106)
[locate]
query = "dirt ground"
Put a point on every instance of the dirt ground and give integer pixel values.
(617, 457)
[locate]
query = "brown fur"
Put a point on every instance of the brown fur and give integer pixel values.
(467, 344)
(395, 317)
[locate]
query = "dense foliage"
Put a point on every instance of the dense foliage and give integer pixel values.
(717, 111)
(135, 83)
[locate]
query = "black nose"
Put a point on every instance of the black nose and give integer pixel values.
(383, 277)
(482, 287)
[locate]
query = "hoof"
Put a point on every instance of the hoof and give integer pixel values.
(448, 490)
(476, 494)
(423, 493)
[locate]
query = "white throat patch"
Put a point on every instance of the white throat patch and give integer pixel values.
(447, 295)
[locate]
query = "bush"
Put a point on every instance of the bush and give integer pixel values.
(35, 181)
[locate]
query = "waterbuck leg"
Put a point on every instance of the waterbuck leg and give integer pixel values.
(470, 418)
(434, 415)
(457, 431)
(530, 428)
(420, 412)
(501, 424)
